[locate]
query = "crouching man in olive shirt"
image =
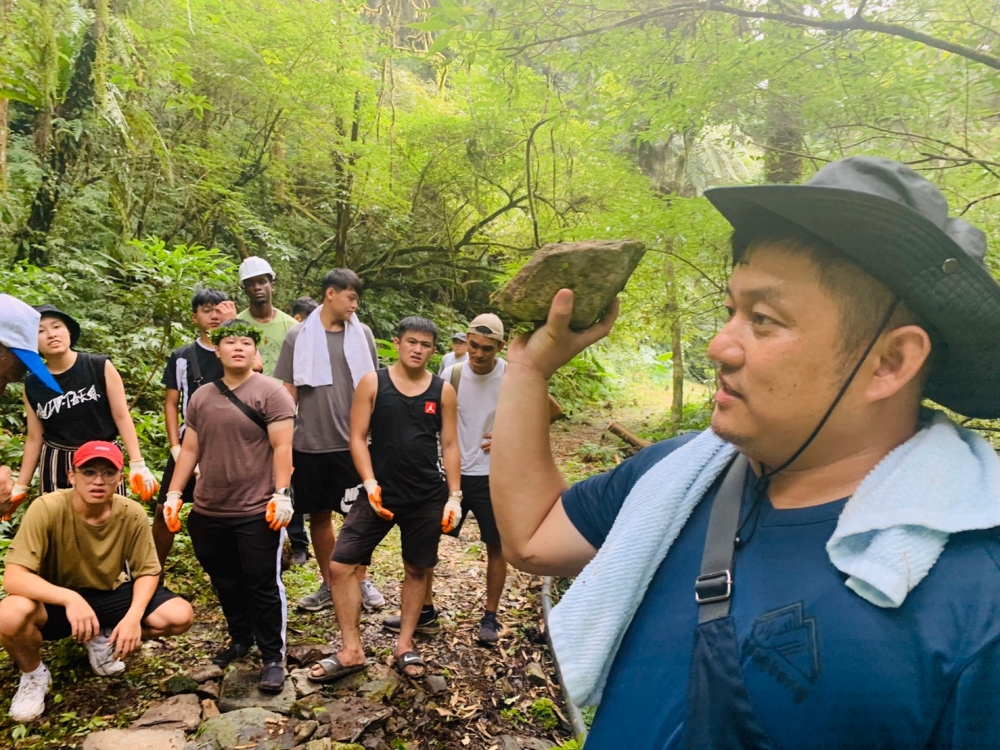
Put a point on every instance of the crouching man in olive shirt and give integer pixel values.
(83, 564)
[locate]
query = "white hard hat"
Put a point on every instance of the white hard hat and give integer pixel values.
(254, 266)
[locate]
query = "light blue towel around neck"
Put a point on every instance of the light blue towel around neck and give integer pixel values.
(943, 480)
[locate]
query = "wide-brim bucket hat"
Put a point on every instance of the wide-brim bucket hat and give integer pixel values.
(894, 224)
(69, 320)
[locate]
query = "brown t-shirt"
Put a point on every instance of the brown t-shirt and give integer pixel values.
(57, 544)
(234, 453)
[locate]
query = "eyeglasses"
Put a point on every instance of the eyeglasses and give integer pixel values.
(91, 474)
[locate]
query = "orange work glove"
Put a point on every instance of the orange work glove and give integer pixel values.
(452, 511)
(17, 496)
(279, 511)
(375, 500)
(172, 511)
(142, 481)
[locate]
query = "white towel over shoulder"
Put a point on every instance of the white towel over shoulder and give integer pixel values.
(311, 363)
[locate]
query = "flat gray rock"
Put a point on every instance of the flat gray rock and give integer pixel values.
(383, 684)
(239, 690)
(303, 686)
(132, 739)
(206, 673)
(596, 271)
(349, 717)
(179, 712)
(435, 683)
(241, 728)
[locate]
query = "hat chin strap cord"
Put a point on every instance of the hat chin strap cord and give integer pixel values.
(761, 485)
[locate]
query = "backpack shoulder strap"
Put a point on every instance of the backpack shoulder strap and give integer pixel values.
(456, 375)
(250, 413)
(191, 355)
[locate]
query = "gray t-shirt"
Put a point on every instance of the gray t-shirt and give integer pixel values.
(323, 423)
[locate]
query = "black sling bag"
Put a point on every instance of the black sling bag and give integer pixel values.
(250, 413)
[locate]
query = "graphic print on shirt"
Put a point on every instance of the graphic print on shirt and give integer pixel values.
(430, 407)
(784, 644)
(69, 399)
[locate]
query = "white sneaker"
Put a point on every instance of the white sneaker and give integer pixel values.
(29, 701)
(371, 597)
(102, 656)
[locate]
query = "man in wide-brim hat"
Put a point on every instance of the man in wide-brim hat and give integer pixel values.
(821, 568)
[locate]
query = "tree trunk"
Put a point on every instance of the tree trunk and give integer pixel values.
(677, 365)
(673, 314)
(344, 168)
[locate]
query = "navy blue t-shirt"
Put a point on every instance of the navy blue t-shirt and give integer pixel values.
(824, 668)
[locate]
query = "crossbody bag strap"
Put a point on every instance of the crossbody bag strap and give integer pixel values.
(713, 588)
(456, 375)
(250, 413)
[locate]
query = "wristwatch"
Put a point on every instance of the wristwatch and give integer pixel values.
(286, 491)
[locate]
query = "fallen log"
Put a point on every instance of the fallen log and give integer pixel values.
(629, 437)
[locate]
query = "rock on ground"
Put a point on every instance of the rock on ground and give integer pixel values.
(243, 727)
(178, 712)
(595, 270)
(349, 717)
(239, 690)
(133, 739)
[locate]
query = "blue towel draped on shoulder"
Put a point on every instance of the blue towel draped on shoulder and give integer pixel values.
(943, 480)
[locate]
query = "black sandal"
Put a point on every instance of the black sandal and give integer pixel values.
(333, 670)
(410, 659)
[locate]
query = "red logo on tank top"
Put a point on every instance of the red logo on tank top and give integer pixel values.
(430, 407)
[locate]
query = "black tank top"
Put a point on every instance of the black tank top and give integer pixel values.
(82, 412)
(404, 444)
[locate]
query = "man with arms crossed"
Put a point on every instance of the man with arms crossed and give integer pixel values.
(83, 564)
(819, 570)
(321, 360)
(406, 409)
(257, 280)
(477, 384)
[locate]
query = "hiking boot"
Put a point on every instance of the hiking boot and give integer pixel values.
(489, 629)
(298, 557)
(29, 700)
(316, 602)
(427, 624)
(272, 678)
(102, 656)
(371, 597)
(230, 653)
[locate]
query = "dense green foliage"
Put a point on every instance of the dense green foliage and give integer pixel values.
(432, 148)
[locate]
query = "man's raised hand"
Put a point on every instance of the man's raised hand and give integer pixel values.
(548, 348)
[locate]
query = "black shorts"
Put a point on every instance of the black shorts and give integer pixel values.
(109, 606)
(325, 482)
(187, 494)
(476, 500)
(419, 527)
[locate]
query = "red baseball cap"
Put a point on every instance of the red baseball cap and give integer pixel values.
(99, 449)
